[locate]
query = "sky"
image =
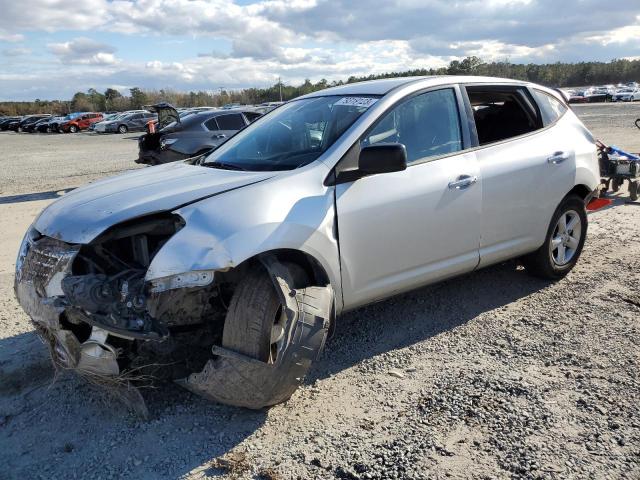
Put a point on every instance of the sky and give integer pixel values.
(49, 49)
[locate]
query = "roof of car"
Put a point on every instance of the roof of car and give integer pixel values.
(384, 86)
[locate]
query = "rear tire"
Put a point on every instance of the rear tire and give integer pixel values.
(123, 129)
(563, 244)
(615, 184)
(255, 321)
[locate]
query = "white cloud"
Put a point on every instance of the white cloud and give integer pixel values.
(83, 50)
(16, 52)
(11, 37)
(297, 39)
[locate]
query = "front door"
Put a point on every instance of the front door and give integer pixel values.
(404, 229)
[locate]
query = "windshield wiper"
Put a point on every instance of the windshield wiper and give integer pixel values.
(223, 166)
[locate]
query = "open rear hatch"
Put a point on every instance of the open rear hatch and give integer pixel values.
(166, 114)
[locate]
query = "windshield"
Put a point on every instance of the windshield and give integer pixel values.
(291, 136)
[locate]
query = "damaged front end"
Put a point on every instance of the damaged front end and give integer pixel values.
(101, 316)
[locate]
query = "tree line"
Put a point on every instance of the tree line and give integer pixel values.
(552, 75)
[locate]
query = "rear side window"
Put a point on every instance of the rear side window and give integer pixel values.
(211, 124)
(428, 125)
(251, 116)
(551, 109)
(501, 113)
(230, 122)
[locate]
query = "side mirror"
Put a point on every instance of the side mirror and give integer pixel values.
(372, 160)
(383, 158)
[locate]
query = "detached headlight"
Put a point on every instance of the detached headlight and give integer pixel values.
(200, 278)
(165, 142)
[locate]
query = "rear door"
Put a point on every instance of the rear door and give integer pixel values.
(404, 229)
(524, 164)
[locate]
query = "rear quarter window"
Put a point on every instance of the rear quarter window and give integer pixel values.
(551, 109)
(230, 122)
(211, 124)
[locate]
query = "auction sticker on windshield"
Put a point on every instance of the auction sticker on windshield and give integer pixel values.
(365, 102)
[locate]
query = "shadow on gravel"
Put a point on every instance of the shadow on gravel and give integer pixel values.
(30, 197)
(416, 316)
(62, 428)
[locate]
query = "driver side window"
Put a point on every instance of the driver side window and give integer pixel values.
(428, 125)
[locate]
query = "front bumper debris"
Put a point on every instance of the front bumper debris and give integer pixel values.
(235, 379)
(60, 318)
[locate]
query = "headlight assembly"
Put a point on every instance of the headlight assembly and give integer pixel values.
(200, 278)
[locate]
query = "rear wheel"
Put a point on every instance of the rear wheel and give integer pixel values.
(256, 320)
(615, 184)
(123, 129)
(564, 241)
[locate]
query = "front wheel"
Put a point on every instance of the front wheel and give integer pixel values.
(73, 129)
(564, 241)
(123, 129)
(256, 320)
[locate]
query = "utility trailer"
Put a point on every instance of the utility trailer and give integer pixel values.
(616, 166)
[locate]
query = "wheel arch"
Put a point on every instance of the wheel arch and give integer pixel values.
(581, 190)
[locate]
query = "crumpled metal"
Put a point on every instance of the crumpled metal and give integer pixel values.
(236, 379)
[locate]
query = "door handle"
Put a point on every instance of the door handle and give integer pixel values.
(558, 157)
(220, 135)
(463, 181)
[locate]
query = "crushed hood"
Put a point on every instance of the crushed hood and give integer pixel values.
(83, 214)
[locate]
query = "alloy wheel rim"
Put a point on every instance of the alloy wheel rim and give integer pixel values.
(566, 238)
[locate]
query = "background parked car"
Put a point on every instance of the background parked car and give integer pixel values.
(577, 97)
(626, 95)
(4, 123)
(189, 134)
(25, 121)
(32, 127)
(130, 122)
(49, 125)
(80, 123)
(598, 95)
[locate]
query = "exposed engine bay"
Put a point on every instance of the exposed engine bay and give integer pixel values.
(99, 315)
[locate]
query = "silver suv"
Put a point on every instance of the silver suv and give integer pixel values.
(238, 262)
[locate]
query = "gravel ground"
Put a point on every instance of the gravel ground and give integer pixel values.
(491, 375)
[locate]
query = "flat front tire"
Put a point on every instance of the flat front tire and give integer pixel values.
(256, 320)
(563, 244)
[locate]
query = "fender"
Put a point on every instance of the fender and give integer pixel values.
(222, 232)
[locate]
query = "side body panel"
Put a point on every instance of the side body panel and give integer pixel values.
(402, 230)
(524, 180)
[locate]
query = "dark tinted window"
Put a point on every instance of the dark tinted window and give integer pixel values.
(428, 125)
(211, 124)
(551, 109)
(230, 122)
(251, 116)
(501, 113)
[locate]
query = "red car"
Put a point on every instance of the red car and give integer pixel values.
(80, 123)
